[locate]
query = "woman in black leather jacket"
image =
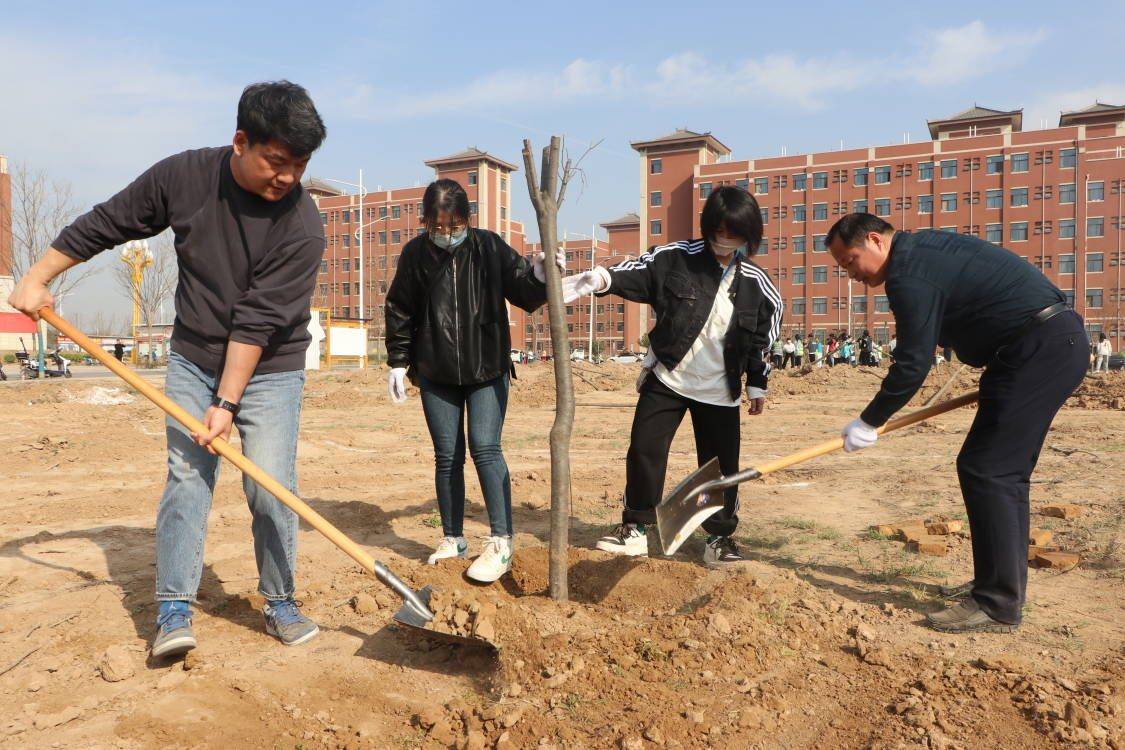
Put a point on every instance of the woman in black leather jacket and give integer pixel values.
(448, 331)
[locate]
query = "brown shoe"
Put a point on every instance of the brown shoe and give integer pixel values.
(967, 617)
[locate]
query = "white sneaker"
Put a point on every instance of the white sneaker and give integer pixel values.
(626, 539)
(450, 546)
(494, 561)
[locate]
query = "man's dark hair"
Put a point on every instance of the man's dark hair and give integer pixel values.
(444, 196)
(736, 210)
(854, 227)
(281, 111)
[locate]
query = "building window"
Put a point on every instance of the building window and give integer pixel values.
(882, 206)
(995, 164)
(324, 266)
(655, 198)
(1068, 192)
(396, 237)
(1069, 295)
(503, 184)
(925, 204)
(1017, 231)
(799, 244)
(742, 183)
(925, 170)
(948, 168)
(819, 180)
(818, 244)
(655, 166)
(820, 274)
(820, 305)
(346, 287)
(859, 207)
(1068, 158)
(820, 211)
(1066, 229)
(859, 304)
(324, 218)
(798, 274)
(1095, 262)
(655, 227)
(765, 212)
(382, 212)
(1018, 197)
(882, 175)
(948, 202)
(1095, 227)
(994, 233)
(882, 304)
(396, 212)
(798, 305)
(473, 208)
(1093, 298)
(323, 290)
(1019, 162)
(383, 237)
(347, 216)
(994, 198)
(704, 190)
(799, 212)
(761, 185)
(861, 176)
(1066, 263)
(1095, 191)
(800, 181)
(503, 213)
(472, 178)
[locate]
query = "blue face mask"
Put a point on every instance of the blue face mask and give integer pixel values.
(448, 241)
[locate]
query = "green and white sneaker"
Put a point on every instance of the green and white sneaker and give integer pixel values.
(494, 561)
(450, 546)
(627, 539)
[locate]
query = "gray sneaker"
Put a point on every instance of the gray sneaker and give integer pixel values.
(967, 617)
(285, 621)
(173, 630)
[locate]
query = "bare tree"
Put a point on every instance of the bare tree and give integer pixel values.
(41, 207)
(158, 282)
(546, 196)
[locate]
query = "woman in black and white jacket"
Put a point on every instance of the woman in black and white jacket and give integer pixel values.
(717, 313)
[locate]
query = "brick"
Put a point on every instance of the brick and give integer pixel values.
(884, 529)
(934, 548)
(1062, 510)
(1040, 537)
(1033, 551)
(1057, 560)
(943, 528)
(905, 529)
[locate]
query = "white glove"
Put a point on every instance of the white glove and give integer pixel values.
(858, 434)
(396, 384)
(582, 284)
(537, 264)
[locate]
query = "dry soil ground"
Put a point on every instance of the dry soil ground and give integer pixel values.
(816, 642)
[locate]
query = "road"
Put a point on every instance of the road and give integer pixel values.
(84, 372)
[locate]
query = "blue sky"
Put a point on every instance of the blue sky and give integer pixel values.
(95, 92)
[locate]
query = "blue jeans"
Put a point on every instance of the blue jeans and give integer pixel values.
(444, 407)
(267, 422)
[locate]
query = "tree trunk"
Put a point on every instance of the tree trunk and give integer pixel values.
(543, 197)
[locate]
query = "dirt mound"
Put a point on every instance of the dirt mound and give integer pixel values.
(1103, 390)
(535, 384)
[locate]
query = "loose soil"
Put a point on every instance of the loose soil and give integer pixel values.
(817, 641)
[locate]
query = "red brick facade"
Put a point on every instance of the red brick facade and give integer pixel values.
(5, 219)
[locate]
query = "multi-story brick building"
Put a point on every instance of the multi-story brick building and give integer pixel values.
(5, 220)
(391, 218)
(1052, 196)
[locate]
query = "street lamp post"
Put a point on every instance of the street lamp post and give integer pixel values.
(138, 257)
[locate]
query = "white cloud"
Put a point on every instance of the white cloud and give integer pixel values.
(959, 53)
(1049, 105)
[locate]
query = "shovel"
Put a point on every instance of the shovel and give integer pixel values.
(700, 495)
(415, 611)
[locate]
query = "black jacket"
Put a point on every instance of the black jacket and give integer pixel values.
(680, 281)
(952, 290)
(445, 313)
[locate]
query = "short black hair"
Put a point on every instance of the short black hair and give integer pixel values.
(281, 111)
(854, 227)
(444, 196)
(734, 208)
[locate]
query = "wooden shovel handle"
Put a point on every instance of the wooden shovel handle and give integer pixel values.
(222, 447)
(895, 424)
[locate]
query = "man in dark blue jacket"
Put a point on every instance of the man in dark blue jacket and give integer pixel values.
(998, 312)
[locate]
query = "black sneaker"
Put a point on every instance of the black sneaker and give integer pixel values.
(626, 539)
(720, 551)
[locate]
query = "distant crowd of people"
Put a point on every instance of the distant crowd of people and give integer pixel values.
(840, 348)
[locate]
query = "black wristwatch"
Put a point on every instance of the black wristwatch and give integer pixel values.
(222, 403)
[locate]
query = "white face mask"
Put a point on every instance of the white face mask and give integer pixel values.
(449, 241)
(724, 249)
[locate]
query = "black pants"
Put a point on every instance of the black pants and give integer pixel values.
(1021, 390)
(659, 413)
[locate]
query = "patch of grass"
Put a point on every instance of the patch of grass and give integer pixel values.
(798, 523)
(648, 651)
(433, 521)
(888, 571)
(765, 541)
(872, 534)
(571, 701)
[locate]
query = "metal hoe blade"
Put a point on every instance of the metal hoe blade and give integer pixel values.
(685, 509)
(415, 614)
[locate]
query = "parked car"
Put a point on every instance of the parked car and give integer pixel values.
(578, 355)
(625, 358)
(1117, 361)
(515, 355)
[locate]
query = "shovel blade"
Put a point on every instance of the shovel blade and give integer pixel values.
(419, 622)
(677, 517)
